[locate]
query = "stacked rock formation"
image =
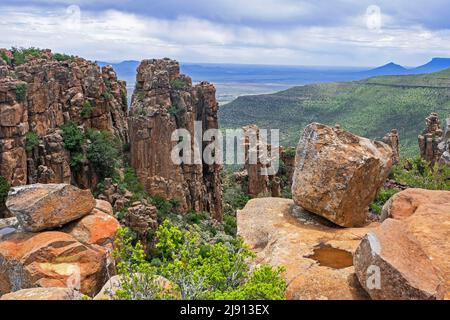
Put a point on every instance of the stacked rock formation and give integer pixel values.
(60, 237)
(434, 143)
(37, 98)
(392, 140)
(165, 100)
(338, 174)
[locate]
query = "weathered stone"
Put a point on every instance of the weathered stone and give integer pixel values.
(283, 234)
(43, 294)
(96, 228)
(392, 140)
(104, 206)
(50, 259)
(338, 174)
(434, 143)
(408, 258)
(142, 219)
(44, 206)
(163, 101)
(406, 203)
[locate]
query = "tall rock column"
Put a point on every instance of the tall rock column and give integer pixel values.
(165, 100)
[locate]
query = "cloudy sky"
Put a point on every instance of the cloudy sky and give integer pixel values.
(292, 32)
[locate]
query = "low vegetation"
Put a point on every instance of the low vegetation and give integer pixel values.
(193, 269)
(62, 57)
(178, 84)
(4, 189)
(86, 110)
(20, 55)
(103, 152)
(31, 141)
(21, 92)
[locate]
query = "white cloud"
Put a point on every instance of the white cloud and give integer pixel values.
(113, 35)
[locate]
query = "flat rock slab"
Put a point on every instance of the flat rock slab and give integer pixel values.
(41, 207)
(314, 251)
(43, 294)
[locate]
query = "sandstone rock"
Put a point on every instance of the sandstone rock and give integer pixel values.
(8, 226)
(43, 294)
(50, 259)
(104, 206)
(434, 142)
(39, 207)
(392, 140)
(142, 219)
(406, 203)
(338, 174)
(165, 100)
(96, 228)
(407, 259)
(317, 255)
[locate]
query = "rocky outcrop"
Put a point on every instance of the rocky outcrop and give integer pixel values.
(434, 142)
(392, 140)
(317, 255)
(408, 258)
(407, 202)
(142, 219)
(75, 256)
(37, 98)
(43, 294)
(165, 100)
(119, 198)
(45, 206)
(338, 174)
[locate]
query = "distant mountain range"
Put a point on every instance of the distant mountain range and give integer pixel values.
(127, 70)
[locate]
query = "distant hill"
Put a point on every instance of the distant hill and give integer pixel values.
(368, 107)
(436, 64)
(386, 70)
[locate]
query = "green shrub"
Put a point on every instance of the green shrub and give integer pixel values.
(290, 153)
(382, 197)
(178, 84)
(21, 92)
(107, 95)
(86, 110)
(62, 57)
(20, 55)
(103, 152)
(417, 173)
(4, 189)
(73, 137)
(76, 159)
(5, 57)
(123, 95)
(31, 141)
(178, 113)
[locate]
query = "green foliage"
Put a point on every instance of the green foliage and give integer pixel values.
(382, 197)
(73, 137)
(123, 95)
(32, 141)
(369, 108)
(76, 158)
(107, 95)
(86, 110)
(62, 57)
(178, 113)
(417, 173)
(4, 189)
(21, 92)
(178, 84)
(103, 152)
(20, 55)
(290, 152)
(5, 57)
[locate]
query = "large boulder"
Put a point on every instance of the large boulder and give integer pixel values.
(97, 228)
(407, 257)
(43, 294)
(316, 253)
(405, 203)
(338, 174)
(45, 206)
(50, 259)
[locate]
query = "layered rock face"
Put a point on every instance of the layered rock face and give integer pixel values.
(392, 140)
(165, 100)
(37, 98)
(75, 256)
(407, 256)
(434, 142)
(338, 174)
(317, 255)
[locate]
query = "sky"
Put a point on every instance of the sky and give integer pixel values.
(287, 32)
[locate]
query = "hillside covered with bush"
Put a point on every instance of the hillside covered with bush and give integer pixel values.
(369, 108)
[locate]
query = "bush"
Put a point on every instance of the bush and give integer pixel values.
(178, 84)
(86, 110)
(5, 57)
(62, 57)
(107, 95)
(31, 141)
(382, 197)
(103, 152)
(73, 137)
(417, 173)
(20, 55)
(290, 153)
(75, 159)
(21, 92)
(4, 189)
